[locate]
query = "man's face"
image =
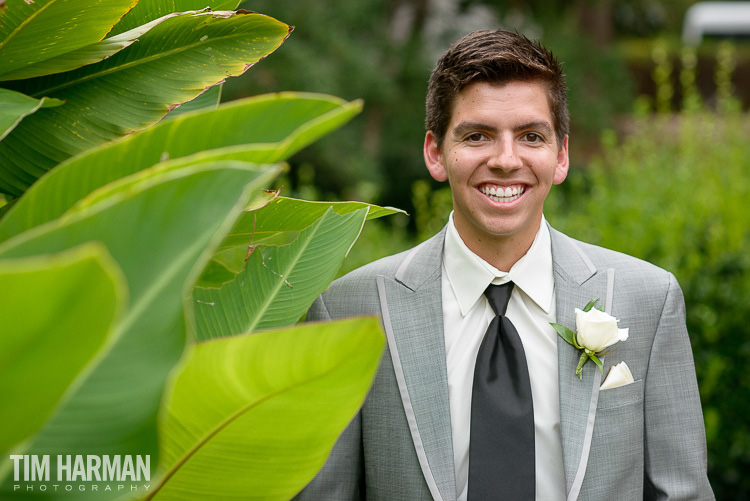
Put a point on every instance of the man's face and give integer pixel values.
(501, 158)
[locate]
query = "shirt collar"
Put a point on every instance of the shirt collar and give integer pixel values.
(469, 275)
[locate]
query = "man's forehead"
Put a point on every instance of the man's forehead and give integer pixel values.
(469, 108)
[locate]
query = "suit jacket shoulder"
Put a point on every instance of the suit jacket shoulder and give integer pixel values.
(645, 277)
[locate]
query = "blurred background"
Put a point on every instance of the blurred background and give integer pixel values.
(660, 157)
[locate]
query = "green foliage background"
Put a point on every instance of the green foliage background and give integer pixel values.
(355, 57)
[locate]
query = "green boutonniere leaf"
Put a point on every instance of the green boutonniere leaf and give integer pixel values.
(597, 362)
(591, 304)
(568, 335)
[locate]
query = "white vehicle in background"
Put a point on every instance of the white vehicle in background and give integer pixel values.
(723, 19)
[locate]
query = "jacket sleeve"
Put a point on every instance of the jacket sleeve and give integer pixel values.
(675, 442)
(341, 476)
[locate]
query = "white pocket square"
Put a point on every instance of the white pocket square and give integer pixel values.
(619, 375)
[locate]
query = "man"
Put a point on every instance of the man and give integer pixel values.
(448, 419)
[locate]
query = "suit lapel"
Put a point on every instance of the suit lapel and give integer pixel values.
(577, 281)
(412, 316)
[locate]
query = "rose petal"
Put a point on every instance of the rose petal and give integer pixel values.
(597, 330)
(623, 334)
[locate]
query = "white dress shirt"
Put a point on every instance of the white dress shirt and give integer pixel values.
(466, 316)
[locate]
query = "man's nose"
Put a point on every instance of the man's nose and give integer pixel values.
(505, 155)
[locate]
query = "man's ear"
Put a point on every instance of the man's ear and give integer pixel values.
(433, 157)
(563, 162)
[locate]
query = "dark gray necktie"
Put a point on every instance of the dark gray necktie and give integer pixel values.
(501, 447)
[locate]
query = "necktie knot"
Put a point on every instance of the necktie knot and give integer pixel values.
(498, 296)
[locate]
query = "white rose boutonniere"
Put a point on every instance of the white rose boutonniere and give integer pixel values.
(595, 331)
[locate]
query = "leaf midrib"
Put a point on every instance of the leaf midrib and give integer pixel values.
(137, 62)
(266, 305)
(25, 23)
(207, 438)
(140, 306)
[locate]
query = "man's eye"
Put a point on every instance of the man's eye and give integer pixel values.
(533, 137)
(475, 137)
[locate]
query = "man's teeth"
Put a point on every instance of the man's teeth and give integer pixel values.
(499, 194)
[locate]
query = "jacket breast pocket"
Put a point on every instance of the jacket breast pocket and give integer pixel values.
(615, 463)
(616, 456)
(621, 396)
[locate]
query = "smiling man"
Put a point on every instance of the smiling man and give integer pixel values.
(477, 397)
(500, 155)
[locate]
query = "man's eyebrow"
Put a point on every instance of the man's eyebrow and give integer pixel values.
(540, 125)
(464, 127)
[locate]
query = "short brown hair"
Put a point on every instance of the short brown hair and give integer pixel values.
(494, 56)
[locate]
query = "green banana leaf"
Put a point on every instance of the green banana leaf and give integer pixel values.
(278, 284)
(255, 416)
(290, 215)
(275, 221)
(223, 267)
(282, 124)
(58, 313)
(148, 10)
(83, 56)
(15, 106)
(208, 100)
(31, 32)
(170, 64)
(262, 129)
(161, 233)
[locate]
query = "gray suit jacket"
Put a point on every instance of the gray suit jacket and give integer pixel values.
(640, 441)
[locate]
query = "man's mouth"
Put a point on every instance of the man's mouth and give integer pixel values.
(502, 194)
